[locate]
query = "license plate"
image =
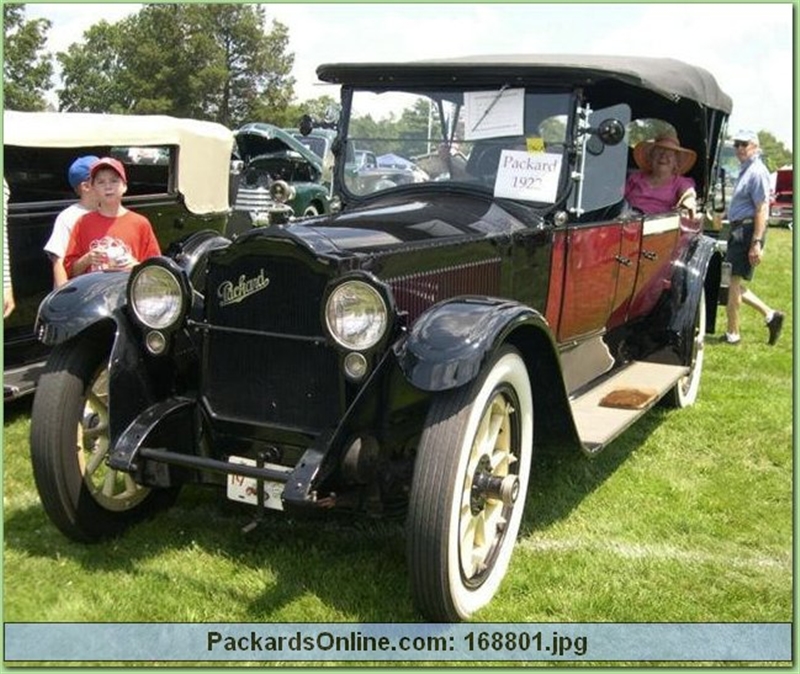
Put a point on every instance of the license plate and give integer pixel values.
(245, 489)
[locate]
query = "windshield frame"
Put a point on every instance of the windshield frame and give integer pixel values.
(538, 104)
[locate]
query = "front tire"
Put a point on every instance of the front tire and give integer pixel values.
(469, 488)
(85, 499)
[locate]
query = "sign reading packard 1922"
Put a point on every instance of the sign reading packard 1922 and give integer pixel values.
(532, 176)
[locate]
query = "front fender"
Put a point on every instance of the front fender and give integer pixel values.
(82, 302)
(192, 252)
(448, 345)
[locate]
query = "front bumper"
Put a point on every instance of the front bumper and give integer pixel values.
(161, 442)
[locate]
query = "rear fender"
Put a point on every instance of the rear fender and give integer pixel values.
(448, 345)
(693, 275)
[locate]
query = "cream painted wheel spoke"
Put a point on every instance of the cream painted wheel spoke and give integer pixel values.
(97, 403)
(480, 531)
(130, 486)
(96, 458)
(96, 431)
(109, 482)
(113, 490)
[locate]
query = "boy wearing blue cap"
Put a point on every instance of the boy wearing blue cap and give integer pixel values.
(79, 176)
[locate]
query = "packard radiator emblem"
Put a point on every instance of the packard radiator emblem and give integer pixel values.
(230, 293)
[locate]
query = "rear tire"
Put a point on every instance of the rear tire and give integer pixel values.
(469, 488)
(684, 393)
(82, 496)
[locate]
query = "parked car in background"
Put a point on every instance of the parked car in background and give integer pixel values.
(178, 176)
(320, 142)
(729, 163)
(781, 207)
(403, 357)
(365, 174)
(276, 165)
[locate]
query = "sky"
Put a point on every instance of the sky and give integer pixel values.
(747, 47)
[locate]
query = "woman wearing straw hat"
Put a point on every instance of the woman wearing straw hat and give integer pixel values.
(661, 185)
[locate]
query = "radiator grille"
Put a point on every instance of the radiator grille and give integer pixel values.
(253, 199)
(266, 357)
(415, 293)
(289, 304)
(272, 380)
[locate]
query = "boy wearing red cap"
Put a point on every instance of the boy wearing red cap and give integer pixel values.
(112, 238)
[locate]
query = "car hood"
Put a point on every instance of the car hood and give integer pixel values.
(258, 138)
(395, 224)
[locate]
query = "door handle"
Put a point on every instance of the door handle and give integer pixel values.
(625, 261)
(649, 254)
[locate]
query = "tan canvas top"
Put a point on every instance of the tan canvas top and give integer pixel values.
(204, 147)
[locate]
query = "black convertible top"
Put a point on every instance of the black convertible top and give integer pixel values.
(669, 77)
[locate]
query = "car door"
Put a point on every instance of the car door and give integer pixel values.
(601, 254)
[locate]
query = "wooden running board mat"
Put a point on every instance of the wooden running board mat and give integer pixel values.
(603, 412)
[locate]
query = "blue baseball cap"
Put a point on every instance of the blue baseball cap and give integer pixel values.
(80, 170)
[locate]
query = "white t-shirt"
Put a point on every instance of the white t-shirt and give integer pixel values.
(62, 228)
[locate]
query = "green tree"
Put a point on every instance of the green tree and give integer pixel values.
(93, 73)
(215, 62)
(647, 129)
(169, 62)
(27, 69)
(251, 68)
(317, 108)
(773, 151)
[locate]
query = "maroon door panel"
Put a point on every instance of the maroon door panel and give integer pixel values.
(590, 279)
(659, 244)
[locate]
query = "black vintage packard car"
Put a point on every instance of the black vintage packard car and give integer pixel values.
(407, 354)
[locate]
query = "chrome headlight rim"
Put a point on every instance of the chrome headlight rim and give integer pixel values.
(378, 293)
(171, 273)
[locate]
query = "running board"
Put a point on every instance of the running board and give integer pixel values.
(626, 396)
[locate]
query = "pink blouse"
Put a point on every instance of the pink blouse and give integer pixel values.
(649, 199)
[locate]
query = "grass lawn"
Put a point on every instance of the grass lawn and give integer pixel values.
(687, 517)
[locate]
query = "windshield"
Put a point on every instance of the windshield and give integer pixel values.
(508, 141)
(316, 144)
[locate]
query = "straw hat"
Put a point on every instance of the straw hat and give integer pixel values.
(643, 150)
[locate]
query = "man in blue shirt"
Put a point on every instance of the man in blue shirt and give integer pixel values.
(747, 213)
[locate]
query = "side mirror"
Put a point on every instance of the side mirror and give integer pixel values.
(610, 131)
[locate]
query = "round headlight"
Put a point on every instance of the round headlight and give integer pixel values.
(356, 315)
(156, 297)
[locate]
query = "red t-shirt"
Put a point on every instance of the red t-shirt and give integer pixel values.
(128, 237)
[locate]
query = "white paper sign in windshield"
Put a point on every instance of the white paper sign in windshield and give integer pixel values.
(528, 176)
(492, 114)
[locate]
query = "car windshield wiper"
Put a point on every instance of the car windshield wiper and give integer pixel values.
(490, 106)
